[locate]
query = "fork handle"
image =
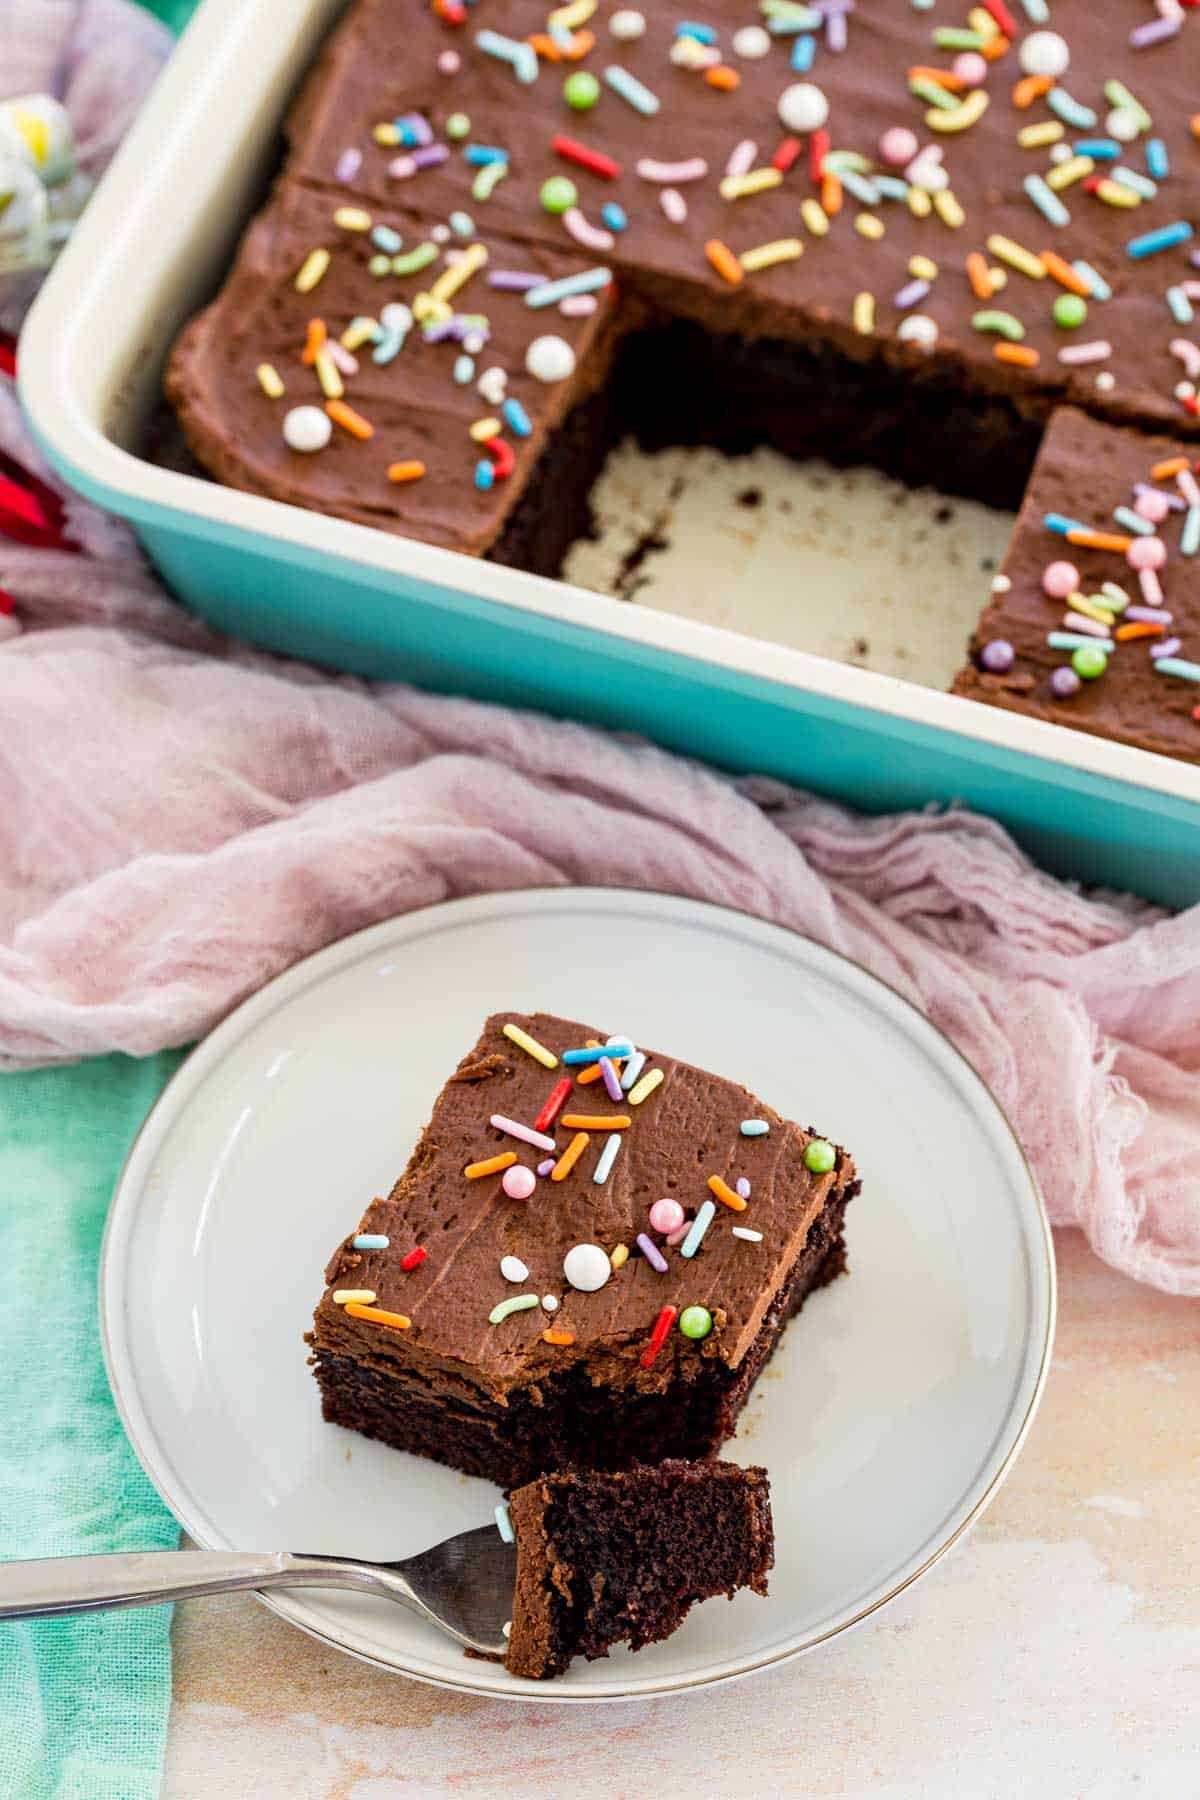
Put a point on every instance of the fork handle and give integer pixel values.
(58, 1585)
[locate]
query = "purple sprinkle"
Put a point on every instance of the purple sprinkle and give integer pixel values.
(998, 656)
(651, 1253)
(436, 331)
(544, 1168)
(611, 1080)
(1149, 615)
(1065, 682)
(514, 281)
(1168, 647)
(348, 165)
(910, 294)
(1153, 33)
(429, 157)
(417, 126)
(742, 1187)
(835, 31)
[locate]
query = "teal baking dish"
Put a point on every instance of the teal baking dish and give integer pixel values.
(150, 248)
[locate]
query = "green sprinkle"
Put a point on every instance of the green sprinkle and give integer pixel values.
(379, 265)
(820, 1157)
(458, 126)
(413, 260)
(1070, 310)
(1118, 95)
(1003, 323)
(485, 183)
(581, 91)
(695, 1321)
(933, 95)
(518, 1303)
(954, 37)
(558, 194)
(1089, 661)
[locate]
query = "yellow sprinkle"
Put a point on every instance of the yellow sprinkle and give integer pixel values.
(948, 210)
(459, 273)
(782, 250)
(919, 203)
(327, 374)
(352, 218)
(725, 1194)
(1081, 604)
(269, 381)
(814, 216)
(1016, 257)
(962, 117)
(35, 131)
(594, 1122)
(998, 278)
(397, 1321)
(620, 1256)
(1067, 172)
(491, 1165)
(357, 333)
(570, 1156)
(428, 306)
(1032, 137)
(1115, 195)
(513, 1033)
(923, 268)
(364, 1296)
(642, 1090)
(570, 18)
(868, 226)
(736, 187)
(311, 271)
(864, 313)
(982, 22)
(385, 133)
(483, 429)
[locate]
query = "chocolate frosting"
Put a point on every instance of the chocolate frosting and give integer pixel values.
(1084, 470)
(681, 1134)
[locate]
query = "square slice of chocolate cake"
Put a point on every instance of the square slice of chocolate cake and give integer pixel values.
(585, 1262)
(604, 1559)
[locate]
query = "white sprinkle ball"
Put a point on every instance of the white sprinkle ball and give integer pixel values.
(1185, 390)
(627, 26)
(1001, 584)
(306, 428)
(550, 1303)
(1045, 53)
(1061, 153)
(1105, 383)
(473, 342)
(513, 1269)
(550, 359)
(441, 235)
(751, 42)
(1122, 124)
(586, 1267)
(395, 316)
(803, 107)
(449, 62)
(919, 329)
(491, 385)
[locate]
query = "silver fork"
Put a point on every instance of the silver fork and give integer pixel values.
(464, 1585)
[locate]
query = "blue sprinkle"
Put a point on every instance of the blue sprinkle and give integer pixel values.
(891, 187)
(1180, 306)
(1076, 640)
(464, 368)
(462, 224)
(620, 1047)
(504, 1523)
(607, 1158)
(1157, 160)
(1082, 118)
(1099, 149)
(614, 216)
(1165, 238)
(1100, 289)
(1037, 11)
(517, 417)
(480, 155)
(370, 1240)
(703, 34)
(1175, 665)
(523, 57)
(384, 238)
(1124, 515)
(1137, 184)
(1046, 201)
(387, 348)
(485, 475)
(864, 191)
(1189, 537)
(754, 1128)
(1059, 523)
(632, 1069)
(803, 51)
(700, 1225)
(632, 90)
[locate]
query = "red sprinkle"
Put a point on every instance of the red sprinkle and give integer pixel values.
(658, 1336)
(502, 454)
(818, 150)
(595, 160)
(8, 354)
(786, 155)
(1002, 16)
(414, 1259)
(7, 604)
(554, 1105)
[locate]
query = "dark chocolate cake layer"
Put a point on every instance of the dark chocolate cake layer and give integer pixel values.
(608, 1559)
(660, 1355)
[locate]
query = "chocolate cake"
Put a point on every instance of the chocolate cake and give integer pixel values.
(604, 1295)
(1098, 597)
(604, 1559)
(503, 236)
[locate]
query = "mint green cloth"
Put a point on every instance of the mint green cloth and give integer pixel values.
(83, 1702)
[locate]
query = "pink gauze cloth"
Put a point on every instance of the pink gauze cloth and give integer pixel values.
(184, 817)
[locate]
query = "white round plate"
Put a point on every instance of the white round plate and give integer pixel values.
(898, 1398)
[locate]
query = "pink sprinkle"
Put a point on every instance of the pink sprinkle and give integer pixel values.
(589, 235)
(1152, 506)
(898, 145)
(1186, 483)
(519, 1182)
(449, 62)
(1171, 647)
(677, 1236)
(1074, 621)
(1151, 587)
(513, 1128)
(674, 205)
(742, 1187)
(742, 158)
(1188, 354)
(1099, 350)
(340, 357)
(546, 1168)
(651, 1252)
(666, 1216)
(578, 306)
(1146, 553)
(1059, 579)
(971, 68)
(695, 169)
(612, 1084)
(348, 165)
